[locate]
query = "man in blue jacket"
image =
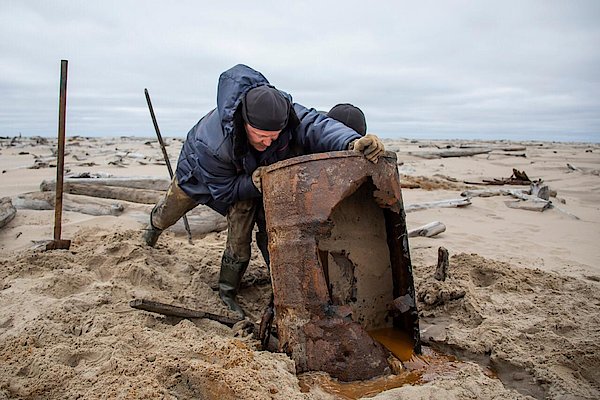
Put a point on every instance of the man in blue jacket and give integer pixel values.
(254, 125)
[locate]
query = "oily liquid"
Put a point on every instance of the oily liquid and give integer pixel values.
(417, 369)
(397, 342)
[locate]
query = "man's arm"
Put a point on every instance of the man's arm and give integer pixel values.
(223, 181)
(318, 133)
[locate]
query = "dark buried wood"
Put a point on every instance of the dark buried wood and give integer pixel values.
(441, 271)
(176, 311)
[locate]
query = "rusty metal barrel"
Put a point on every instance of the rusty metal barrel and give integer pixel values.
(340, 261)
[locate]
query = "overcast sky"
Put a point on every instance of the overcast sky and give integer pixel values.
(444, 69)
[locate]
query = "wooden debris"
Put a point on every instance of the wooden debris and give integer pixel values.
(135, 182)
(181, 312)
(80, 204)
(524, 155)
(450, 153)
(461, 202)
(540, 190)
(517, 178)
(144, 196)
(429, 230)
(528, 205)
(485, 193)
(446, 177)
(429, 183)
(7, 211)
(202, 219)
(441, 271)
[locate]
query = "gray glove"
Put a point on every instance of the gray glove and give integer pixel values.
(257, 178)
(370, 145)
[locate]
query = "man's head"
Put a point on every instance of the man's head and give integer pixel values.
(350, 116)
(265, 112)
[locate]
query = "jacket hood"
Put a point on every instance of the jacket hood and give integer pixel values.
(233, 86)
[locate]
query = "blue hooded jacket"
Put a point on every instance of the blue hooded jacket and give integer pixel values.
(216, 162)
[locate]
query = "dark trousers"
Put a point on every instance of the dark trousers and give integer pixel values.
(241, 218)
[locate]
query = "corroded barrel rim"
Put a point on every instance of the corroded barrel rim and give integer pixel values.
(322, 156)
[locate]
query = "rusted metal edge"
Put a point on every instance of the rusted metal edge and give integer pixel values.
(322, 156)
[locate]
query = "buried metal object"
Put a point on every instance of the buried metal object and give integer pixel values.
(340, 262)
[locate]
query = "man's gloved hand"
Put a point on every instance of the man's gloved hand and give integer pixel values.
(257, 178)
(370, 145)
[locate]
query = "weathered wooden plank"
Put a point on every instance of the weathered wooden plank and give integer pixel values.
(461, 202)
(176, 311)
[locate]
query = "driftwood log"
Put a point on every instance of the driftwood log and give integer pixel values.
(7, 211)
(461, 202)
(140, 192)
(134, 182)
(144, 196)
(80, 204)
(530, 202)
(528, 205)
(202, 219)
(429, 230)
(450, 153)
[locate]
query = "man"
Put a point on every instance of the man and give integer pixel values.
(220, 165)
(351, 116)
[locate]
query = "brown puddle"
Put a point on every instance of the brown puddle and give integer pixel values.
(418, 369)
(396, 341)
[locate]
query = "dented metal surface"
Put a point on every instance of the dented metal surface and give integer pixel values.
(340, 261)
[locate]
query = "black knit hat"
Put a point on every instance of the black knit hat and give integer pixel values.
(350, 116)
(265, 108)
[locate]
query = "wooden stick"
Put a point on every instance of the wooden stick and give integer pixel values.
(441, 271)
(437, 204)
(58, 243)
(176, 311)
(429, 230)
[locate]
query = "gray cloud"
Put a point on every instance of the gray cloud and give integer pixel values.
(433, 69)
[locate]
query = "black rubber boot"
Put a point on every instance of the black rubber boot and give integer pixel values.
(262, 241)
(151, 234)
(230, 279)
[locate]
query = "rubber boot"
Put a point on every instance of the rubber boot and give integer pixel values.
(230, 279)
(262, 241)
(151, 234)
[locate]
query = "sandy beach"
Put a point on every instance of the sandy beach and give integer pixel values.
(520, 309)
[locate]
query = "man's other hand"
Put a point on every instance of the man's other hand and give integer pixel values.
(257, 178)
(370, 145)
